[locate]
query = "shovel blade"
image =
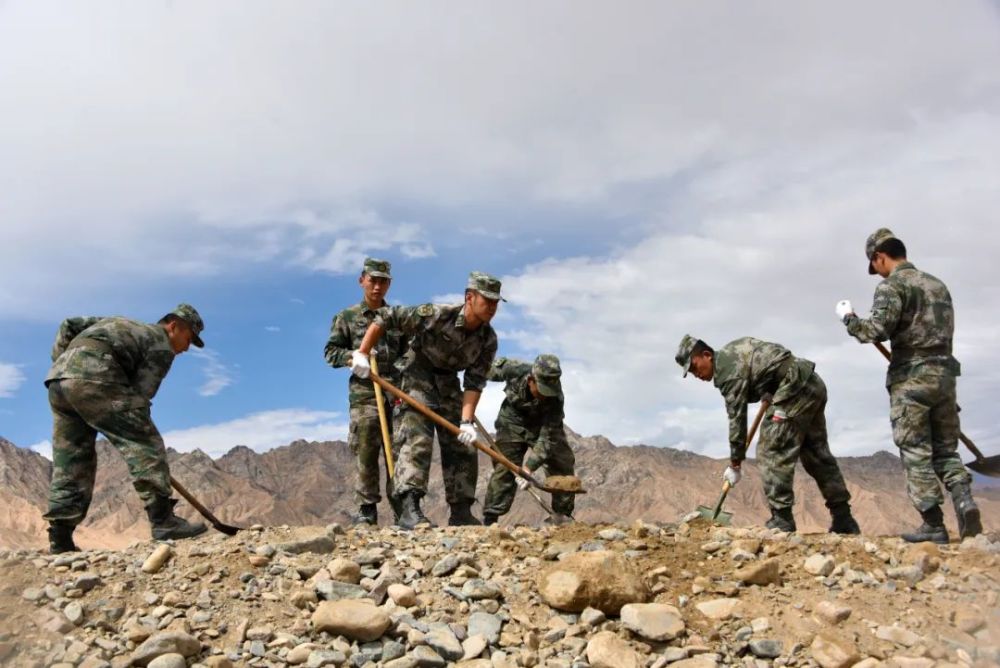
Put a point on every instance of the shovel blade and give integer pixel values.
(722, 519)
(986, 466)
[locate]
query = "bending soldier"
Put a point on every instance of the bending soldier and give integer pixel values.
(913, 310)
(530, 418)
(365, 436)
(444, 340)
(794, 426)
(104, 374)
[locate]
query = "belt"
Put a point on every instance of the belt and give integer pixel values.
(902, 355)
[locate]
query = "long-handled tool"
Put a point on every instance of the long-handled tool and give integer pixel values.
(531, 490)
(205, 512)
(383, 422)
(716, 515)
(986, 465)
(573, 487)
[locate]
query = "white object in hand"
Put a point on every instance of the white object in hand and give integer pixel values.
(732, 476)
(360, 366)
(844, 309)
(467, 435)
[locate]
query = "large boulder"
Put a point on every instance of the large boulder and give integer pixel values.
(356, 619)
(604, 580)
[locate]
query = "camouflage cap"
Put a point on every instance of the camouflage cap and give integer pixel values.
(377, 268)
(875, 239)
(188, 314)
(546, 372)
(684, 352)
(485, 284)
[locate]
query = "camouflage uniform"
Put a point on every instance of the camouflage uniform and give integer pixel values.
(365, 436)
(104, 374)
(794, 425)
(440, 347)
(526, 423)
(913, 310)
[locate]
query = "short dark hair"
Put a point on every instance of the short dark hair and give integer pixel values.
(894, 248)
(700, 347)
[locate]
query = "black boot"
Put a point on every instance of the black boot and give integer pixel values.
(411, 515)
(367, 514)
(781, 518)
(61, 538)
(843, 520)
(397, 508)
(461, 515)
(489, 519)
(166, 525)
(932, 530)
(969, 523)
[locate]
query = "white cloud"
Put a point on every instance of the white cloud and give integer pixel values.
(44, 448)
(217, 375)
(260, 431)
(11, 378)
(272, 328)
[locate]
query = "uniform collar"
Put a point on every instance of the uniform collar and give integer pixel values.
(901, 266)
(367, 309)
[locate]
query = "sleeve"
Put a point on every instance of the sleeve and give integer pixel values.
(504, 369)
(551, 432)
(886, 311)
(735, 393)
(338, 349)
(475, 375)
(69, 329)
(407, 319)
(151, 373)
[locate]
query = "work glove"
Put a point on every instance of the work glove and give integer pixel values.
(732, 476)
(524, 483)
(844, 309)
(467, 436)
(360, 366)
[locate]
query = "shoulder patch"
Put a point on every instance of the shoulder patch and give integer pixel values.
(425, 310)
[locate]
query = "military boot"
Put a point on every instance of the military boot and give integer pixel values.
(557, 519)
(411, 516)
(397, 508)
(969, 523)
(843, 520)
(166, 525)
(461, 515)
(932, 530)
(367, 514)
(489, 519)
(61, 538)
(782, 519)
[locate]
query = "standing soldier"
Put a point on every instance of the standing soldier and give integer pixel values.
(365, 437)
(794, 427)
(530, 418)
(445, 340)
(913, 310)
(104, 374)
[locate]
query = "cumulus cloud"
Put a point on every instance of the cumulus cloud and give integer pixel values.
(11, 378)
(260, 431)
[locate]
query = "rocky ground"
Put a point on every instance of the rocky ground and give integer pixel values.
(681, 594)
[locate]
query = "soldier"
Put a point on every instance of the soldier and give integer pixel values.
(794, 426)
(104, 374)
(365, 437)
(530, 418)
(445, 340)
(913, 310)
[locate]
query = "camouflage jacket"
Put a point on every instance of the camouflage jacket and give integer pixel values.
(522, 417)
(112, 350)
(348, 328)
(913, 310)
(746, 370)
(440, 347)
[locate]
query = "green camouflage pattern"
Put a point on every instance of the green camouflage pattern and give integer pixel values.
(81, 409)
(794, 430)
(378, 268)
(346, 332)
(503, 485)
(365, 442)
(684, 352)
(547, 372)
(912, 310)
(190, 315)
(874, 240)
(439, 347)
(485, 284)
(113, 350)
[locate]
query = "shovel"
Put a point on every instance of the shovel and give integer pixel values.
(205, 512)
(384, 424)
(985, 465)
(553, 484)
(716, 514)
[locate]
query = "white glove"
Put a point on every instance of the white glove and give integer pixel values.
(523, 483)
(360, 366)
(732, 476)
(844, 309)
(467, 436)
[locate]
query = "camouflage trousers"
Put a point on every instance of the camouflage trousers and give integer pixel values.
(80, 409)
(415, 435)
(925, 428)
(795, 430)
(503, 485)
(365, 441)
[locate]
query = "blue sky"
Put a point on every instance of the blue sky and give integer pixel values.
(633, 173)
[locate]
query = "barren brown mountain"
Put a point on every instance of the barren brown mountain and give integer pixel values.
(309, 483)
